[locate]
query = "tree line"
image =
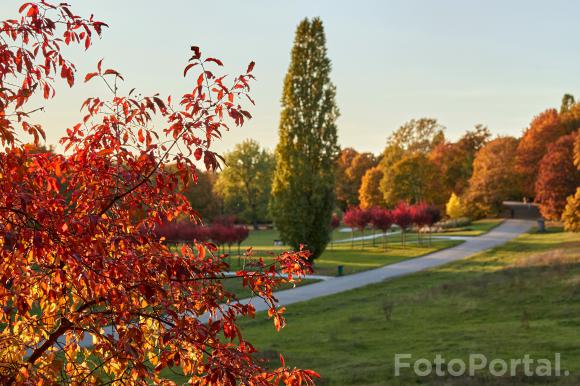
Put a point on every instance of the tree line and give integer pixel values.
(419, 164)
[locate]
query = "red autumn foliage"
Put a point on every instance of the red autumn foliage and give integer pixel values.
(544, 129)
(421, 216)
(435, 214)
(79, 252)
(558, 178)
(227, 220)
(403, 215)
(357, 218)
(425, 215)
(381, 218)
(334, 221)
(242, 234)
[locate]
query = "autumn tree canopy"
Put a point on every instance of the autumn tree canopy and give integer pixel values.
(571, 214)
(494, 179)
(543, 130)
(351, 167)
(370, 194)
(455, 159)
(418, 135)
(303, 191)
(558, 178)
(201, 195)
(79, 256)
(454, 207)
(412, 179)
(246, 182)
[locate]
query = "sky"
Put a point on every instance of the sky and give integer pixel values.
(494, 62)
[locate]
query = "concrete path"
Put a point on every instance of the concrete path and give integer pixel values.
(332, 285)
(497, 236)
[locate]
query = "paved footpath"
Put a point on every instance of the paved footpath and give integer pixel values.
(328, 286)
(508, 230)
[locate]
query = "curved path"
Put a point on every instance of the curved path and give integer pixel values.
(508, 230)
(497, 236)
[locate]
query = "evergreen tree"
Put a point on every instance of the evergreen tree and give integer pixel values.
(303, 195)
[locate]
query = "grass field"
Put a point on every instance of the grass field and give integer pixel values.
(352, 259)
(476, 228)
(521, 298)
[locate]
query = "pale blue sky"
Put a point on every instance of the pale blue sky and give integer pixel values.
(463, 62)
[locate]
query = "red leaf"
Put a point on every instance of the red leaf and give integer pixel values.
(312, 373)
(33, 11)
(196, 52)
(23, 7)
(90, 75)
(113, 72)
(198, 153)
(46, 91)
(187, 68)
(250, 67)
(216, 61)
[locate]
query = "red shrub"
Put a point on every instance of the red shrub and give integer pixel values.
(242, 233)
(402, 215)
(357, 218)
(381, 218)
(334, 221)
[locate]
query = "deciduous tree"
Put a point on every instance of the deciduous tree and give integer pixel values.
(370, 194)
(349, 176)
(417, 135)
(77, 262)
(357, 218)
(403, 217)
(494, 178)
(558, 178)
(571, 214)
(382, 219)
(303, 191)
(245, 182)
(544, 129)
(455, 159)
(201, 194)
(455, 208)
(414, 178)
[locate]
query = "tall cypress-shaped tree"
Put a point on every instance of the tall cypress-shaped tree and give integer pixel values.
(303, 186)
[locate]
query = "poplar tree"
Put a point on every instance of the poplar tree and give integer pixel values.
(303, 195)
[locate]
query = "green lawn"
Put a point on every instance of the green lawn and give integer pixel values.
(476, 228)
(521, 298)
(353, 259)
(265, 238)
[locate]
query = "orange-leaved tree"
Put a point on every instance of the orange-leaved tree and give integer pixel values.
(558, 178)
(89, 294)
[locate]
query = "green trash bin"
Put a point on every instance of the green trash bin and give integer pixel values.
(541, 225)
(340, 270)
